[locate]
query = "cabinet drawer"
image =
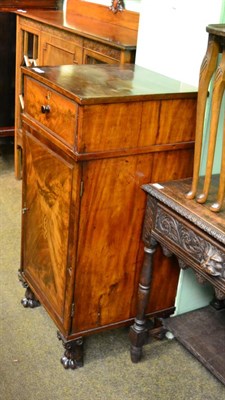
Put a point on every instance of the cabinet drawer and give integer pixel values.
(51, 109)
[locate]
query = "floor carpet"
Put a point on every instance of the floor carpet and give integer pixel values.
(30, 351)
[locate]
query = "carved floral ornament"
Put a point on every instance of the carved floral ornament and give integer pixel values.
(117, 5)
(211, 259)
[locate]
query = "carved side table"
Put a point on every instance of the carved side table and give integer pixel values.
(191, 232)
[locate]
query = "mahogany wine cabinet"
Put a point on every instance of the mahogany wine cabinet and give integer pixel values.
(92, 135)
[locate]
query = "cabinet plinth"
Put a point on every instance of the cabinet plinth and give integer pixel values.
(104, 135)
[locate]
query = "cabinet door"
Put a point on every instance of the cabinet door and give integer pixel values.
(60, 49)
(48, 231)
(96, 52)
(92, 57)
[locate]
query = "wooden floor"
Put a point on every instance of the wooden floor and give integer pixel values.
(202, 332)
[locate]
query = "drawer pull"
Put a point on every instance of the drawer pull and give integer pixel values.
(45, 109)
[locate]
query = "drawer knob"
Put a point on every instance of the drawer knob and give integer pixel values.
(45, 109)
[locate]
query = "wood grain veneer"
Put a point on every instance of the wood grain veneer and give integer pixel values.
(82, 198)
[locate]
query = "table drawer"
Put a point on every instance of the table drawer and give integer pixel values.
(51, 109)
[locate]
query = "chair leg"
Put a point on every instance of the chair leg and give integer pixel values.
(207, 68)
(221, 191)
(218, 90)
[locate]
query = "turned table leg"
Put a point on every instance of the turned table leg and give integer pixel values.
(139, 332)
(218, 301)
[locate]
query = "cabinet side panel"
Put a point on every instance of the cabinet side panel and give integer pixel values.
(29, 4)
(110, 250)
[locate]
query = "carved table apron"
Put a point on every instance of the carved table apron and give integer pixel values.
(191, 232)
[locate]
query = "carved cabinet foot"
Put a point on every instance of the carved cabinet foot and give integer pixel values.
(73, 355)
(30, 301)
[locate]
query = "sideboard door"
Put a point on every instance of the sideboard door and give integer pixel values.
(56, 50)
(48, 234)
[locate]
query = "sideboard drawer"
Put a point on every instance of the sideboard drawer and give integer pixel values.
(51, 109)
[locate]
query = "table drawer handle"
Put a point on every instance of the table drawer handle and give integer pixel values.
(45, 109)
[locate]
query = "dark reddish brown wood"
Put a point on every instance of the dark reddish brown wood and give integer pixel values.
(138, 339)
(83, 205)
(202, 333)
(183, 228)
(15, 4)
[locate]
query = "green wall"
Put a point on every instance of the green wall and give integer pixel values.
(222, 18)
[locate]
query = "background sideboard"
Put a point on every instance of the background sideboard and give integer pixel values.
(7, 54)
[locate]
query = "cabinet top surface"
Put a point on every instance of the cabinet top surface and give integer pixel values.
(105, 83)
(173, 193)
(87, 27)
